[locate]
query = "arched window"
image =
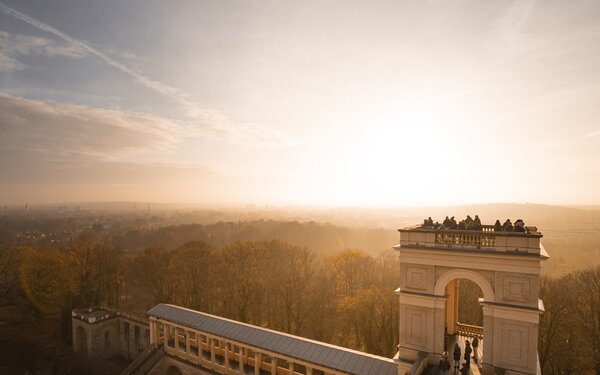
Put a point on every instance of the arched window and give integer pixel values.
(107, 339)
(173, 371)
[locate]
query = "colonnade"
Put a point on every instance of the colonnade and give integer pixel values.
(226, 356)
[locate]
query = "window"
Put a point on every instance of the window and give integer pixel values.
(107, 339)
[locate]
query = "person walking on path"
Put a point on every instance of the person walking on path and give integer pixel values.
(475, 347)
(468, 352)
(456, 356)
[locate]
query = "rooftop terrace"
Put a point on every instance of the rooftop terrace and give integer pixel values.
(472, 235)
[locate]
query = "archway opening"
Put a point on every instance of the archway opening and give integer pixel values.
(82, 347)
(107, 339)
(464, 321)
(172, 370)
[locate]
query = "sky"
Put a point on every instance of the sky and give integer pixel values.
(323, 103)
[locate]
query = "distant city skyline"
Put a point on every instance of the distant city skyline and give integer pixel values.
(338, 103)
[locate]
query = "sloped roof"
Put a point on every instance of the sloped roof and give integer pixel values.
(326, 355)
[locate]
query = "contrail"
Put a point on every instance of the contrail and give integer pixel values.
(165, 90)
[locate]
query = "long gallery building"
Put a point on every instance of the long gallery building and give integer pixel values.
(505, 264)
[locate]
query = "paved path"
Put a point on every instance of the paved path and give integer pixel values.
(474, 370)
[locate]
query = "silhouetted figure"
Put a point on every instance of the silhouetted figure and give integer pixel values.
(437, 225)
(475, 346)
(464, 370)
(456, 356)
(476, 225)
(520, 226)
(462, 225)
(468, 352)
(507, 226)
(498, 226)
(469, 221)
(444, 365)
(446, 222)
(453, 223)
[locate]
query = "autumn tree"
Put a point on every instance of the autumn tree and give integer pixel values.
(555, 325)
(242, 280)
(46, 280)
(290, 276)
(150, 272)
(193, 263)
(11, 259)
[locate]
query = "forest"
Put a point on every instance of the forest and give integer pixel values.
(321, 281)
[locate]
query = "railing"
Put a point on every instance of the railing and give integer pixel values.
(469, 330)
(144, 361)
(419, 365)
(465, 239)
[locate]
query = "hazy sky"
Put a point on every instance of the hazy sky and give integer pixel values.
(368, 103)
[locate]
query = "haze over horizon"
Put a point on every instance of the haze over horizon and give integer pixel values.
(339, 103)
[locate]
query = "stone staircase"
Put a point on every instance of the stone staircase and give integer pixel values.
(144, 361)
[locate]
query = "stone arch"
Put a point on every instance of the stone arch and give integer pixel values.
(107, 338)
(82, 344)
(173, 370)
(460, 273)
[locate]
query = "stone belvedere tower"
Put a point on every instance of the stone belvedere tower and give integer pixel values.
(505, 262)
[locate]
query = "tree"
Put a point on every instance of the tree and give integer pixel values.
(587, 305)
(555, 322)
(353, 270)
(243, 275)
(46, 280)
(151, 272)
(291, 270)
(193, 263)
(11, 259)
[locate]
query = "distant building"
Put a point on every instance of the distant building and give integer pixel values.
(506, 266)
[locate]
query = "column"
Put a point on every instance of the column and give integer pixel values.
(199, 342)
(226, 346)
(273, 365)
(211, 344)
(488, 335)
(187, 344)
(241, 359)
(157, 332)
(308, 370)
(176, 334)
(439, 320)
(452, 307)
(151, 327)
(291, 367)
(257, 362)
(166, 329)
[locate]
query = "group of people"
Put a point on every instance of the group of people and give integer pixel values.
(444, 364)
(519, 226)
(475, 224)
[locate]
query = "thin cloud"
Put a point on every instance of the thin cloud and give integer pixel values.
(200, 120)
(512, 22)
(165, 90)
(57, 129)
(31, 127)
(9, 63)
(12, 46)
(592, 134)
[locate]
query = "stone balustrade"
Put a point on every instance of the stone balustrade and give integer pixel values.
(485, 239)
(469, 330)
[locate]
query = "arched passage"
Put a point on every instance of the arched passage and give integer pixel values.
(453, 331)
(172, 370)
(107, 339)
(82, 344)
(476, 277)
